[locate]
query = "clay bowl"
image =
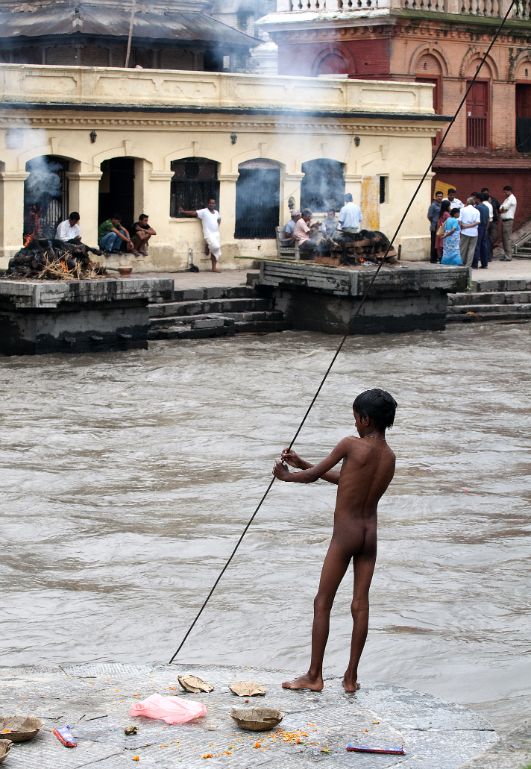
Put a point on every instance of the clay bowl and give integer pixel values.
(125, 271)
(19, 728)
(257, 719)
(5, 746)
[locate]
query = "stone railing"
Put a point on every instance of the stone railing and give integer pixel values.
(182, 90)
(490, 8)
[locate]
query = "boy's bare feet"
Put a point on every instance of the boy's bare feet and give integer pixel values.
(350, 685)
(305, 682)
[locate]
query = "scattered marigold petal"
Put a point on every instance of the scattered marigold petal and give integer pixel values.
(207, 755)
(257, 744)
(136, 758)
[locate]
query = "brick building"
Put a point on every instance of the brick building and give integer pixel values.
(431, 41)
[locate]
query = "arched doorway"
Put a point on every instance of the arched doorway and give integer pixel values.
(117, 189)
(257, 199)
(45, 195)
(323, 185)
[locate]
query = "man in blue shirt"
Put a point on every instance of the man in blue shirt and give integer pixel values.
(350, 216)
(434, 212)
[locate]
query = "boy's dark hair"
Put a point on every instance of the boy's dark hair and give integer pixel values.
(74, 215)
(377, 405)
(451, 189)
(454, 211)
(508, 187)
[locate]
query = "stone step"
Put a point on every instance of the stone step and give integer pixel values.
(482, 312)
(488, 285)
(207, 306)
(203, 326)
(493, 297)
(228, 317)
(187, 332)
(213, 292)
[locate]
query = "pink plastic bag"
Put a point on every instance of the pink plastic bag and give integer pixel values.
(172, 710)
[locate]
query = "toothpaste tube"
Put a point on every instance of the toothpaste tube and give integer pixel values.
(65, 736)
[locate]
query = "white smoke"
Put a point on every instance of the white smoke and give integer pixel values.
(43, 181)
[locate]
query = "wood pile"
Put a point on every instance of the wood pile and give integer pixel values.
(54, 260)
(353, 249)
(364, 246)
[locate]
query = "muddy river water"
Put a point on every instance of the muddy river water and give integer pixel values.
(127, 478)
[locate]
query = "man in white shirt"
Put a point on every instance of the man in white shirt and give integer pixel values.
(507, 214)
(350, 216)
(69, 230)
(210, 219)
(469, 218)
(454, 202)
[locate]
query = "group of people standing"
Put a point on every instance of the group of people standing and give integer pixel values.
(467, 233)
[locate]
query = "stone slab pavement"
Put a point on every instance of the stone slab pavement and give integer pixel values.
(95, 699)
(517, 269)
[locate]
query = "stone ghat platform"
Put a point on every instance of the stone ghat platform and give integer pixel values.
(95, 699)
(77, 315)
(403, 297)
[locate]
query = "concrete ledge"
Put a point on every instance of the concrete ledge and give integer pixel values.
(345, 301)
(39, 317)
(95, 700)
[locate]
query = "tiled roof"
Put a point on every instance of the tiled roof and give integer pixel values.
(86, 18)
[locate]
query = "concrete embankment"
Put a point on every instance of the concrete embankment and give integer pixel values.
(95, 700)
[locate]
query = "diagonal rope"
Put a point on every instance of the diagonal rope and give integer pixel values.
(345, 336)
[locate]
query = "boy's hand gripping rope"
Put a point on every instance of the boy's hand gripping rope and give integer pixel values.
(343, 340)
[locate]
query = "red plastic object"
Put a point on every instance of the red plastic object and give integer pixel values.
(65, 736)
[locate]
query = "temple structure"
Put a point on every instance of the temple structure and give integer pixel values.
(176, 34)
(439, 42)
(80, 131)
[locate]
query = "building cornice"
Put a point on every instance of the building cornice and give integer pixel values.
(241, 123)
(384, 23)
(28, 107)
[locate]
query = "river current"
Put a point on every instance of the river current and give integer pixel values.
(127, 478)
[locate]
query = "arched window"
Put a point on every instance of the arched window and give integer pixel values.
(257, 198)
(194, 181)
(323, 185)
(333, 63)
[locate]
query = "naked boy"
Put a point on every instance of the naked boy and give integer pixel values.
(368, 466)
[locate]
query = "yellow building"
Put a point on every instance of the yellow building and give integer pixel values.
(99, 139)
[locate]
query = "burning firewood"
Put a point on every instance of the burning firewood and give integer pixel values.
(54, 260)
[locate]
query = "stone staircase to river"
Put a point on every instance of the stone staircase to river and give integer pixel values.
(222, 311)
(211, 312)
(499, 300)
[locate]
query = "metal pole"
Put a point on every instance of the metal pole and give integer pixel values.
(130, 36)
